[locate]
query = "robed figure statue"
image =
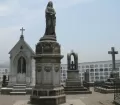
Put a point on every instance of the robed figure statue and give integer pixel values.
(50, 19)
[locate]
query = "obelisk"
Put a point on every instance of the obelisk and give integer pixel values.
(48, 90)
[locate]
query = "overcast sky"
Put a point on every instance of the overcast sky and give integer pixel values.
(89, 27)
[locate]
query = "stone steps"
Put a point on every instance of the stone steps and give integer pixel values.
(80, 87)
(17, 93)
(19, 89)
(19, 86)
(75, 89)
(78, 92)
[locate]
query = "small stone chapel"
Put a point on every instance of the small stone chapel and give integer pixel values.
(22, 63)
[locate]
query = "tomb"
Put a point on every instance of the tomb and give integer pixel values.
(73, 83)
(21, 77)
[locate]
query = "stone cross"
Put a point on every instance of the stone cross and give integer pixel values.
(22, 30)
(113, 52)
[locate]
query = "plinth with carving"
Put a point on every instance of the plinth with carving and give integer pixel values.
(48, 90)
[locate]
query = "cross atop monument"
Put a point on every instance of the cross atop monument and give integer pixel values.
(113, 52)
(22, 37)
(22, 30)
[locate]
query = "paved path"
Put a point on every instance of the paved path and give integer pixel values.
(85, 99)
(21, 102)
(68, 102)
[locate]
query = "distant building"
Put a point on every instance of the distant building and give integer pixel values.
(98, 71)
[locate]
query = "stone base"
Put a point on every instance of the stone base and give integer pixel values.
(77, 90)
(73, 82)
(6, 91)
(103, 90)
(50, 100)
(73, 86)
(48, 37)
(17, 89)
(54, 96)
(68, 102)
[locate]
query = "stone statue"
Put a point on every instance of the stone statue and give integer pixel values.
(72, 65)
(50, 19)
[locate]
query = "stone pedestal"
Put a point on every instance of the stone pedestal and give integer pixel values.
(54, 96)
(108, 86)
(73, 84)
(48, 90)
(73, 78)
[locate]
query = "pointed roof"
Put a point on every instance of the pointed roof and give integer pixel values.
(21, 40)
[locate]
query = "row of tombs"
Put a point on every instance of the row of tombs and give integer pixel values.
(23, 74)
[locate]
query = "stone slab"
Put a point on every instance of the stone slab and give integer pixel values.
(68, 102)
(6, 91)
(103, 90)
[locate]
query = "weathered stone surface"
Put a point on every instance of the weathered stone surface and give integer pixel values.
(47, 90)
(73, 83)
(21, 65)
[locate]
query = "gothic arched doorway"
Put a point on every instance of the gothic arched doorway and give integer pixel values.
(21, 70)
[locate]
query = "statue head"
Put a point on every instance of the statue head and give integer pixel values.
(50, 4)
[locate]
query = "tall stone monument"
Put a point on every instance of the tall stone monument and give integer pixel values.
(73, 83)
(47, 90)
(72, 72)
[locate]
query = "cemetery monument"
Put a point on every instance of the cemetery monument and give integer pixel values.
(21, 77)
(108, 86)
(73, 83)
(48, 90)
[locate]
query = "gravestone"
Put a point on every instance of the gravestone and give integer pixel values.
(108, 86)
(48, 89)
(86, 76)
(73, 83)
(86, 79)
